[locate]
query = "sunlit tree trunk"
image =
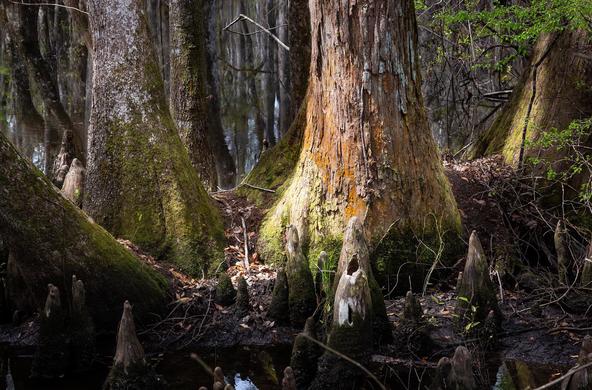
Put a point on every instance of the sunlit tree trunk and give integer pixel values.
(141, 184)
(367, 150)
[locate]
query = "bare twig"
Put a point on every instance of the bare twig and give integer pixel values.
(241, 17)
(563, 377)
(49, 5)
(246, 261)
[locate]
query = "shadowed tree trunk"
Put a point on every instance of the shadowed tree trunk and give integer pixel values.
(50, 239)
(269, 77)
(224, 162)
(367, 150)
(286, 107)
(188, 85)
(299, 42)
(141, 185)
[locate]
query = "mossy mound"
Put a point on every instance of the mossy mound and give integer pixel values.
(279, 309)
(225, 292)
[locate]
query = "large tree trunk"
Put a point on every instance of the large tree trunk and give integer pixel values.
(141, 185)
(367, 150)
(188, 82)
(552, 94)
(50, 239)
(224, 162)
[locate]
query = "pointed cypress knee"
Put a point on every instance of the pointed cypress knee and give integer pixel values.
(476, 294)
(225, 292)
(242, 298)
(82, 330)
(73, 188)
(279, 310)
(351, 331)
(305, 354)
(411, 335)
(586, 279)
(562, 253)
(455, 373)
(130, 370)
(412, 311)
(51, 356)
(582, 379)
(288, 381)
(354, 244)
(302, 300)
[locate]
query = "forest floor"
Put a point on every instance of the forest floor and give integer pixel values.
(537, 327)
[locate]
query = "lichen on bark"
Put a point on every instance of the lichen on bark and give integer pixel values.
(141, 185)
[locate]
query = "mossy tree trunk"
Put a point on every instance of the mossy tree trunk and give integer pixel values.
(141, 184)
(367, 150)
(188, 85)
(50, 239)
(553, 92)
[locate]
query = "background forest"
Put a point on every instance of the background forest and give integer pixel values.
(307, 194)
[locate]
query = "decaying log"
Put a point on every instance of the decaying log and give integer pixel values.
(581, 379)
(279, 309)
(51, 356)
(354, 244)
(225, 292)
(73, 188)
(242, 298)
(475, 292)
(129, 370)
(288, 382)
(305, 354)
(562, 253)
(301, 291)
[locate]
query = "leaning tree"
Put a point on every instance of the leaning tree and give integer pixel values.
(367, 150)
(141, 185)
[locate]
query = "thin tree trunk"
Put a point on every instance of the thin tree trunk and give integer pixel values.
(268, 78)
(188, 85)
(224, 163)
(299, 42)
(141, 184)
(284, 69)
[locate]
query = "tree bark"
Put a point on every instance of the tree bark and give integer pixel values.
(269, 77)
(224, 162)
(50, 239)
(362, 156)
(188, 82)
(299, 42)
(141, 185)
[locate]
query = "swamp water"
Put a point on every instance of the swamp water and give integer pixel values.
(251, 368)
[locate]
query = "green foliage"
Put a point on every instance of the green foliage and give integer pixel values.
(573, 144)
(514, 26)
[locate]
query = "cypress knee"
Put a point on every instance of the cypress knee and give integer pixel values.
(301, 291)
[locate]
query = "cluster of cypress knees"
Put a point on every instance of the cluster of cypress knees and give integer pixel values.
(355, 323)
